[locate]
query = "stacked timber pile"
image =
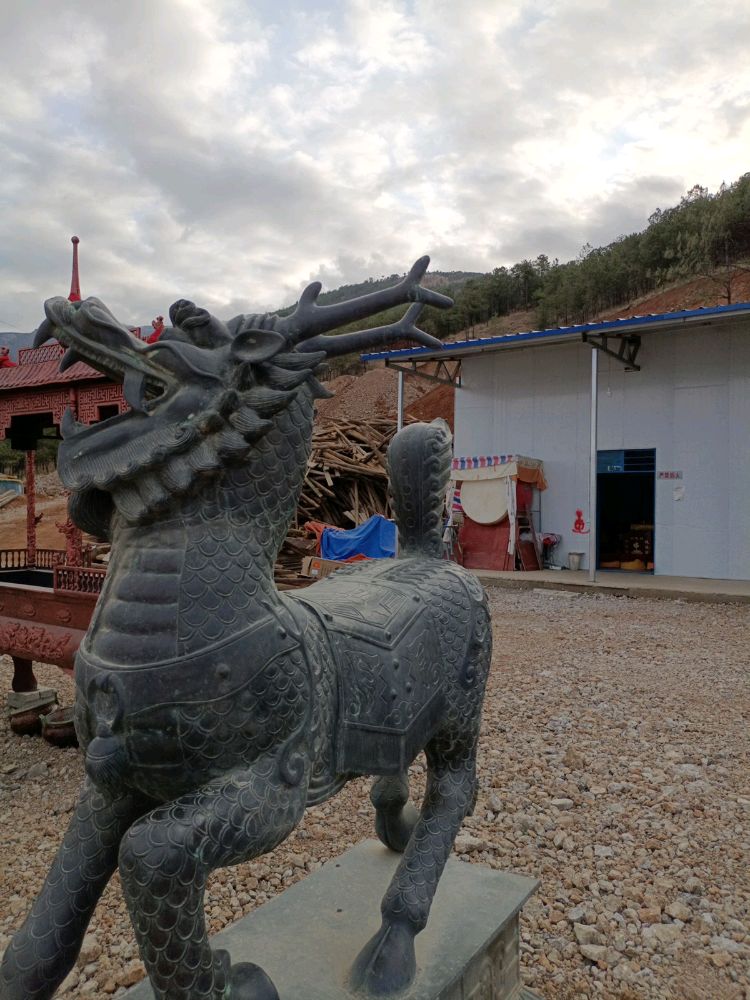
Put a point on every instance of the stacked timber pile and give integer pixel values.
(297, 545)
(346, 478)
(346, 483)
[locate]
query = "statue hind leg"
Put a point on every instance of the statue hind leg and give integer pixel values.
(165, 860)
(395, 815)
(387, 964)
(45, 948)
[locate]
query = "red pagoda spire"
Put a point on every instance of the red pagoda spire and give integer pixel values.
(75, 287)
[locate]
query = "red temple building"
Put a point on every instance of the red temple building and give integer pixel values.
(47, 596)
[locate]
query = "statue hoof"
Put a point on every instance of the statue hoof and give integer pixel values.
(249, 982)
(387, 964)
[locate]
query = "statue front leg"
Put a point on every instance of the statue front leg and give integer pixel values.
(165, 860)
(45, 948)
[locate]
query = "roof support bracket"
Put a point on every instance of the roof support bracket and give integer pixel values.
(625, 347)
(447, 372)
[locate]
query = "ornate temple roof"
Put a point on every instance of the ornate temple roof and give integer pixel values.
(41, 367)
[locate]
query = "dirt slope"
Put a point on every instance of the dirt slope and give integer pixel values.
(694, 294)
(13, 523)
(373, 394)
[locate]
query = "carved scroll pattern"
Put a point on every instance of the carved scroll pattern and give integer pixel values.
(92, 397)
(45, 646)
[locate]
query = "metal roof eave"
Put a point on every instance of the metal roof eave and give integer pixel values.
(636, 324)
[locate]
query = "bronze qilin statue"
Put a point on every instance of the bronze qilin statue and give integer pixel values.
(211, 708)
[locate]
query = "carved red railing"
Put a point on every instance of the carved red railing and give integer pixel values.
(13, 559)
(80, 579)
(18, 558)
(36, 355)
(49, 558)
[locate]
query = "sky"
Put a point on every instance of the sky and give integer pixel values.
(231, 151)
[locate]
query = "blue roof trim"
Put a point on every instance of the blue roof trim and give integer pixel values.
(532, 335)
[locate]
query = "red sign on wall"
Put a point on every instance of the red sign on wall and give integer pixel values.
(579, 525)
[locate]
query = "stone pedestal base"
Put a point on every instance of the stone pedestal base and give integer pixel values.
(307, 938)
(24, 701)
(25, 710)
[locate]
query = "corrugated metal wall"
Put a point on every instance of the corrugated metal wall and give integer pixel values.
(690, 401)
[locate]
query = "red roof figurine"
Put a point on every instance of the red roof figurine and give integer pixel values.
(5, 361)
(158, 325)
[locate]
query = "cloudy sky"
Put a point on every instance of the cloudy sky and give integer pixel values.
(232, 150)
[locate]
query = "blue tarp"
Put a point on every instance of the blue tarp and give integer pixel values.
(375, 538)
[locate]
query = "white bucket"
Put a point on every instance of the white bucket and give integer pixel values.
(574, 560)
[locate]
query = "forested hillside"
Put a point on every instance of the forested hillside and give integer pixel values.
(705, 234)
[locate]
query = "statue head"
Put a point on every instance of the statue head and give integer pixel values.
(204, 393)
(200, 398)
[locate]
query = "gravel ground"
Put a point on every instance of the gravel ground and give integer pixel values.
(613, 766)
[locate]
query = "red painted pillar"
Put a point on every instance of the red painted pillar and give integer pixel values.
(73, 543)
(31, 508)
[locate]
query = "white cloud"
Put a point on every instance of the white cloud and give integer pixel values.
(231, 151)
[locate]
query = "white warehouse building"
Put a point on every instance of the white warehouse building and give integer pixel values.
(642, 425)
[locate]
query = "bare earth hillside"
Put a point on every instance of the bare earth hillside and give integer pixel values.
(695, 294)
(372, 394)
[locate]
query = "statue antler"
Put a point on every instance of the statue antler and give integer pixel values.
(308, 321)
(347, 343)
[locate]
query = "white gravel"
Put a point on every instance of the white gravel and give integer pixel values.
(613, 766)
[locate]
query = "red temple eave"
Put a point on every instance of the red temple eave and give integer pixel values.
(45, 374)
(36, 386)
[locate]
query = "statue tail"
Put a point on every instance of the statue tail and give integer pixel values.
(419, 468)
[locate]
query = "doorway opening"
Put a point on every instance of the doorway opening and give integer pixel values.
(626, 500)
(107, 410)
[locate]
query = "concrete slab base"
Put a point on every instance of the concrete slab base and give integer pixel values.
(622, 584)
(307, 938)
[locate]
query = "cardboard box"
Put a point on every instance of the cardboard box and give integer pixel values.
(317, 567)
